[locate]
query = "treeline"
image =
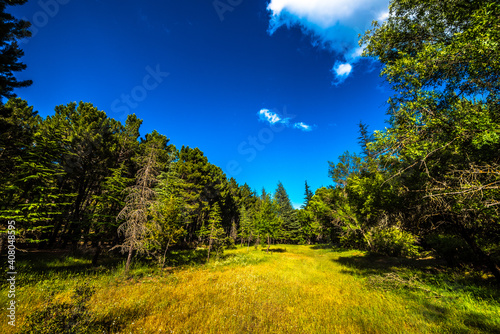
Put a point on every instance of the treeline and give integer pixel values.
(81, 178)
(429, 182)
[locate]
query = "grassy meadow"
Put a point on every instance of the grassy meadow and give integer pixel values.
(293, 289)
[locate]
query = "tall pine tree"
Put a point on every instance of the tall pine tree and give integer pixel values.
(11, 30)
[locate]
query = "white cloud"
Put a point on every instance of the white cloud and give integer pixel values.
(268, 116)
(343, 69)
(271, 117)
(333, 24)
(302, 126)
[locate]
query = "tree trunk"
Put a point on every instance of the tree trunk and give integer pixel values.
(96, 254)
(165, 254)
(209, 246)
(55, 232)
(268, 241)
(129, 258)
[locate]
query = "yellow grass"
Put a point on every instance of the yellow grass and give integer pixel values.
(298, 291)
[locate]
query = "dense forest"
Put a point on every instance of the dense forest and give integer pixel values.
(428, 184)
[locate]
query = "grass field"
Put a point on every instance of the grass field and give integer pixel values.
(293, 289)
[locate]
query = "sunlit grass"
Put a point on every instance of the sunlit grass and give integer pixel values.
(295, 289)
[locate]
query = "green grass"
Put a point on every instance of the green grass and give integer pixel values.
(294, 289)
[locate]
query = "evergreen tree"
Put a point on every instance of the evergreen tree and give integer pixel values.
(247, 227)
(213, 231)
(364, 139)
(18, 125)
(11, 30)
(307, 196)
(167, 221)
(139, 199)
(286, 213)
(267, 220)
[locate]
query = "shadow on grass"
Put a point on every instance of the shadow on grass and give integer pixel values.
(480, 322)
(64, 261)
(187, 257)
(275, 250)
(429, 270)
(35, 265)
(431, 281)
(322, 246)
(372, 264)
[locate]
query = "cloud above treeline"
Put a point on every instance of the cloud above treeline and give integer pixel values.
(332, 24)
(271, 117)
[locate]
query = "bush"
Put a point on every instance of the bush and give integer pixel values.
(229, 243)
(450, 248)
(352, 238)
(393, 242)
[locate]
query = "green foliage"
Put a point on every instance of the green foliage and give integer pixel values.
(348, 165)
(12, 30)
(393, 241)
(165, 225)
(310, 228)
(247, 229)
(322, 208)
(286, 212)
(268, 221)
(229, 243)
(441, 149)
(307, 195)
(450, 248)
(352, 237)
(213, 232)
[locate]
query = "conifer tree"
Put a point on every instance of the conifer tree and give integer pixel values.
(364, 139)
(307, 195)
(267, 220)
(213, 231)
(247, 227)
(286, 213)
(11, 30)
(138, 201)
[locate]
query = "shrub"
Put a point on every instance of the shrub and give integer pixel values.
(393, 241)
(352, 238)
(450, 248)
(229, 243)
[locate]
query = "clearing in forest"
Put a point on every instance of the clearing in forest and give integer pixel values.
(293, 289)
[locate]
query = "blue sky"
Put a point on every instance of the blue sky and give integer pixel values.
(269, 90)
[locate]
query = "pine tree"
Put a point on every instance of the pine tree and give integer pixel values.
(11, 30)
(269, 225)
(247, 227)
(166, 223)
(138, 201)
(308, 196)
(286, 213)
(213, 231)
(364, 139)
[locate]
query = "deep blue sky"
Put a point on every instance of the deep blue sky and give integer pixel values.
(221, 73)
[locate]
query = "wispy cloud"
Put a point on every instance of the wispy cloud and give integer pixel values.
(273, 118)
(332, 24)
(302, 126)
